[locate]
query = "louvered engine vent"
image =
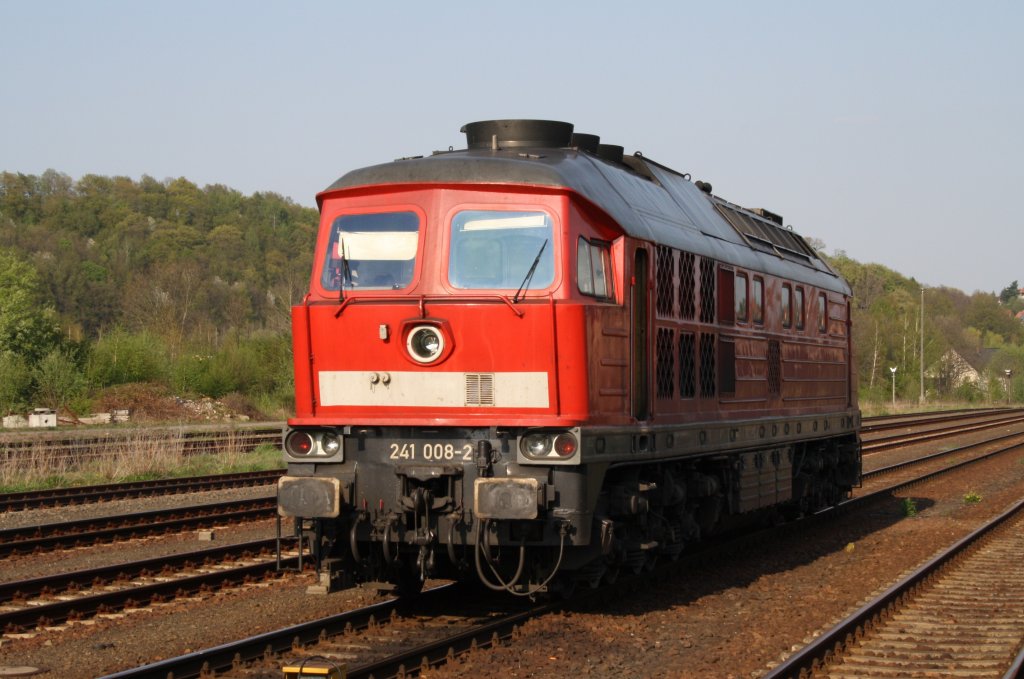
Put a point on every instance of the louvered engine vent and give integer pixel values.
(480, 389)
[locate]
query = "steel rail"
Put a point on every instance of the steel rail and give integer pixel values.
(83, 579)
(885, 422)
(56, 497)
(813, 654)
(880, 471)
(92, 531)
(225, 656)
(1016, 670)
(57, 612)
(869, 447)
(435, 653)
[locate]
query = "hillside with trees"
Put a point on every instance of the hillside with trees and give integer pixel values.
(112, 290)
(107, 281)
(969, 340)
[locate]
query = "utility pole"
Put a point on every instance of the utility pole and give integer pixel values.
(921, 398)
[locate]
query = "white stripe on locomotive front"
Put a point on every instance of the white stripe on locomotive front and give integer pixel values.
(429, 389)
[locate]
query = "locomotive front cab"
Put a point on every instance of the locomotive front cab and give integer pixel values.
(440, 379)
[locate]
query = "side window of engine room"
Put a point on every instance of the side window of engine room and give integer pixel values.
(593, 268)
(501, 250)
(375, 251)
(757, 300)
(741, 298)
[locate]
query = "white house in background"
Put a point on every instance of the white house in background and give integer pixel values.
(953, 371)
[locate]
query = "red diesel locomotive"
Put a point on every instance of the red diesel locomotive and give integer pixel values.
(537, 361)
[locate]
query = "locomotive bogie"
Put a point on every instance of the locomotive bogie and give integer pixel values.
(539, 368)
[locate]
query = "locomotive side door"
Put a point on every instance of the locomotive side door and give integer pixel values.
(640, 320)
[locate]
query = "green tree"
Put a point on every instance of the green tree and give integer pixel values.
(27, 323)
(1010, 292)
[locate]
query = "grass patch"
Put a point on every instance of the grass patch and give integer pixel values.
(972, 497)
(909, 507)
(142, 456)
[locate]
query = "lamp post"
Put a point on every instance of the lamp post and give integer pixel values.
(893, 371)
(1006, 382)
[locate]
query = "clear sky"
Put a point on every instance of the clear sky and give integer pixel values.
(891, 130)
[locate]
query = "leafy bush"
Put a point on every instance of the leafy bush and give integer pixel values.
(121, 357)
(15, 383)
(59, 380)
(257, 365)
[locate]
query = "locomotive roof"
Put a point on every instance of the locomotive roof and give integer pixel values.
(646, 199)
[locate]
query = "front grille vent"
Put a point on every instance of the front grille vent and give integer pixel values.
(480, 389)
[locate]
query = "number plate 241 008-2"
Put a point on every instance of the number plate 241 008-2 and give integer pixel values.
(427, 451)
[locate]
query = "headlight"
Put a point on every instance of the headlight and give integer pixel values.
(425, 343)
(330, 443)
(537, 445)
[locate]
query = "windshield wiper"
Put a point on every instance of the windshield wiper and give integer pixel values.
(346, 273)
(529, 274)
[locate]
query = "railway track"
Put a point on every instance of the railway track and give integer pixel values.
(946, 460)
(85, 532)
(887, 422)
(873, 444)
(56, 599)
(388, 639)
(960, 614)
(60, 497)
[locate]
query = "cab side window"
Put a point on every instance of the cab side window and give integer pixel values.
(593, 268)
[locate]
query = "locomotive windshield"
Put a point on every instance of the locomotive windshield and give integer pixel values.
(371, 251)
(493, 249)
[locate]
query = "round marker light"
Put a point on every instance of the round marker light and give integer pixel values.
(330, 444)
(565, 445)
(425, 343)
(299, 444)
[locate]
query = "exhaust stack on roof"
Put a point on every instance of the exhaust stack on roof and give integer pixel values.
(518, 134)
